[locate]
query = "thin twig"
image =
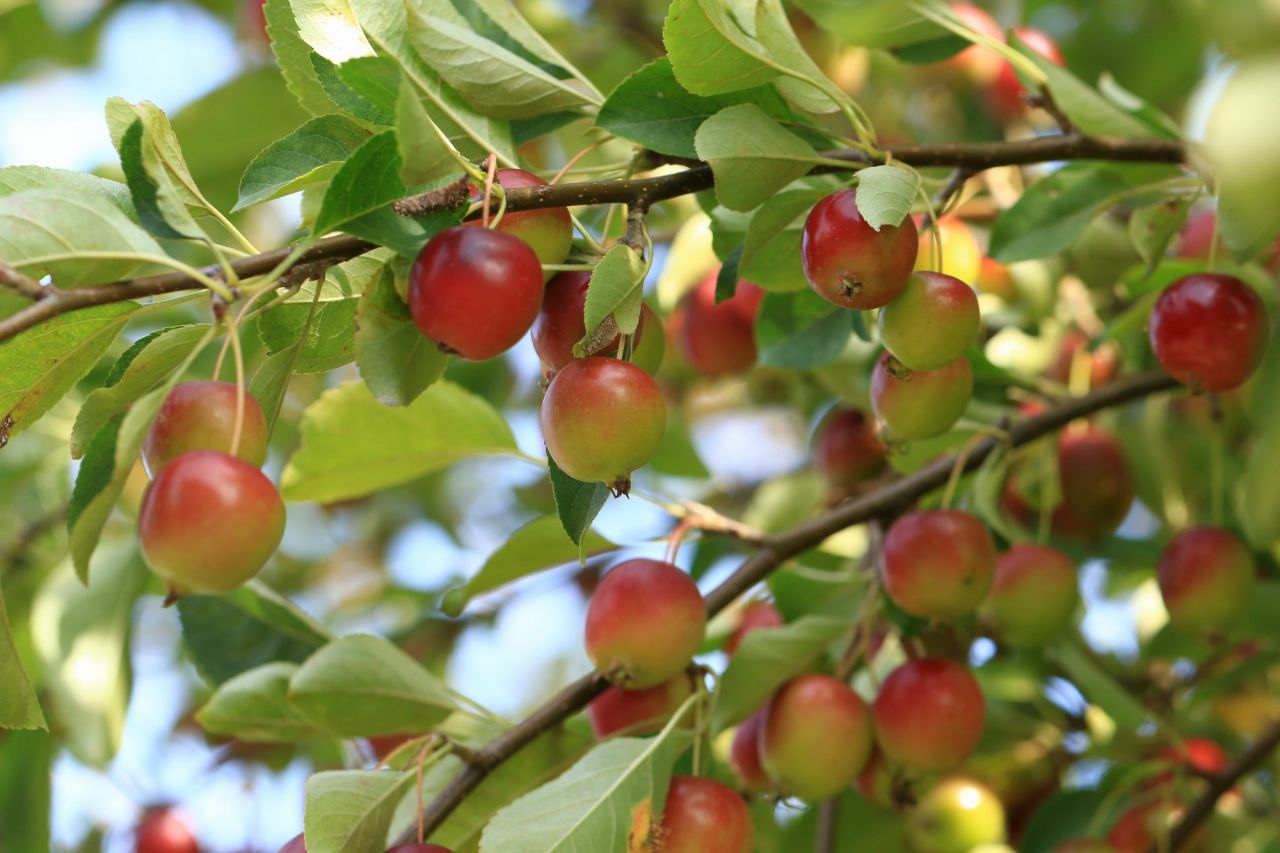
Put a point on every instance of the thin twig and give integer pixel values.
(828, 826)
(772, 553)
(21, 284)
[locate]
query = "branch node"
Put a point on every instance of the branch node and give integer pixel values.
(449, 197)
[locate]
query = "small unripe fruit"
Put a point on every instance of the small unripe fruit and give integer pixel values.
(929, 715)
(757, 614)
(637, 712)
(719, 340)
(209, 522)
(475, 291)
(548, 231)
(601, 419)
(924, 404)
(164, 830)
(847, 451)
(1206, 575)
(704, 816)
(938, 563)
(744, 755)
(849, 263)
(560, 322)
(815, 738)
(1209, 331)
(645, 622)
(202, 416)
(955, 816)
(932, 322)
(961, 256)
(1033, 597)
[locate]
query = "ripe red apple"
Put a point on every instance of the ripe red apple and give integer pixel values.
(202, 416)
(601, 419)
(1033, 597)
(1093, 478)
(560, 323)
(637, 712)
(925, 403)
(847, 451)
(548, 231)
(1206, 575)
(1004, 97)
(1209, 331)
(1102, 364)
(475, 291)
(849, 263)
(704, 816)
(815, 738)
(744, 755)
(929, 715)
(645, 622)
(938, 563)
(960, 256)
(164, 830)
(932, 322)
(757, 614)
(1197, 755)
(719, 340)
(955, 816)
(209, 522)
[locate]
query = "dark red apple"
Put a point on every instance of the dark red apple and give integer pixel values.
(704, 816)
(164, 830)
(929, 715)
(847, 451)
(719, 340)
(849, 263)
(1209, 331)
(548, 231)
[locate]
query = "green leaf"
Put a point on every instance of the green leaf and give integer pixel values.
(369, 179)
(885, 195)
(350, 811)
(1099, 688)
(293, 57)
(145, 364)
(372, 99)
(26, 789)
(1152, 227)
(19, 707)
(254, 706)
(363, 685)
(39, 366)
(1153, 117)
(250, 626)
(577, 503)
(15, 179)
(1054, 211)
(46, 231)
(330, 28)
(751, 155)
(1065, 815)
(325, 335)
(931, 51)
(396, 361)
(81, 637)
(305, 158)
(595, 805)
(652, 109)
(777, 226)
(800, 331)
(540, 544)
(1088, 110)
(353, 445)
(805, 85)
(873, 23)
(766, 659)
(711, 51)
(617, 283)
(425, 158)
(491, 78)
(729, 275)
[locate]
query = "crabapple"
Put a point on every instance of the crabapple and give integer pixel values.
(1206, 575)
(1004, 96)
(757, 614)
(164, 830)
(1094, 482)
(560, 323)
(1209, 331)
(475, 291)
(932, 322)
(816, 736)
(601, 419)
(744, 754)
(209, 522)
(1033, 596)
(637, 712)
(294, 845)
(645, 622)
(938, 563)
(847, 451)
(929, 715)
(548, 231)
(201, 415)
(704, 816)
(719, 340)
(925, 403)
(955, 816)
(851, 264)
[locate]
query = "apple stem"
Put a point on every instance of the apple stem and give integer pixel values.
(233, 336)
(564, 170)
(490, 167)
